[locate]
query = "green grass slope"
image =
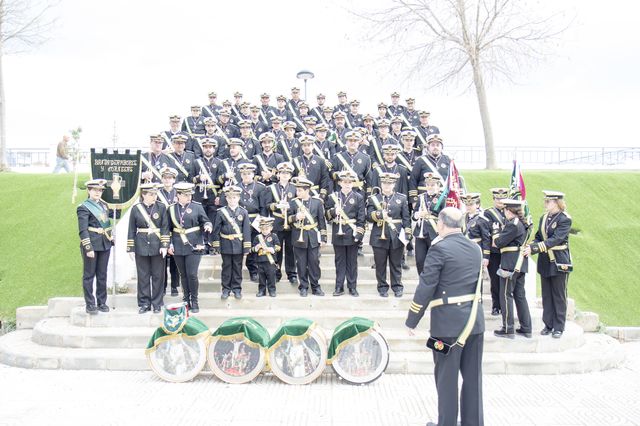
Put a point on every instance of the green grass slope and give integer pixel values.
(39, 244)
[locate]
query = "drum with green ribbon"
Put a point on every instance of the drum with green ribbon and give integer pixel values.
(298, 352)
(358, 352)
(237, 350)
(177, 350)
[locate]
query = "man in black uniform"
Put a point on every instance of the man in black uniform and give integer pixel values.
(147, 243)
(211, 110)
(395, 109)
(267, 161)
(354, 119)
(281, 110)
(424, 129)
(495, 219)
(174, 129)
(476, 226)
(450, 286)
(153, 161)
(396, 128)
(237, 102)
(313, 168)
(343, 105)
(181, 160)
(551, 243)
(231, 175)
(194, 124)
(309, 233)
(267, 112)
(229, 129)
(389, 212)
(96, 241)
(432, 162)
(232, 238)
(426, 215)
(411, 115)
(346, 209)
(258, 125)
(277, 203)
(353, 161)
(324, 147)
(211, 132)
(340, 129)
(317, 111)
(390, 165)
(251, 146)
(208, 170)
(167, 195)
(266, 246)
(187, 222)
(288, 146)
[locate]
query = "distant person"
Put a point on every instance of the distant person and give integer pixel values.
(62, 155)
(450, 284)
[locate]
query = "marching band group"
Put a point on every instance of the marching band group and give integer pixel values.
(262, 183)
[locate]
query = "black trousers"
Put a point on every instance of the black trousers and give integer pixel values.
(211, 210)
(554, 301)
(346, 261)
(250, 261)
(95, 267)
(173, 273)
(150, 277)
(287, 253)
(188, 270)
(231, 275)
(512, 290)
(266, 276)
(394, 256)
(494, 265)
(308, 264)
(422, 248)
(467, 361)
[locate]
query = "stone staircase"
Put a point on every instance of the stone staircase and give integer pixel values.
(62, 335)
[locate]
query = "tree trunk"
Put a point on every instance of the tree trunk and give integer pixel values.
(484, 116)
(3, 133)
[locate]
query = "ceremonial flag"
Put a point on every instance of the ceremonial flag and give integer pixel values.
(517, 189)
(451, 192)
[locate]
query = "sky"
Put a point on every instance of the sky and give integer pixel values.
(134, 63)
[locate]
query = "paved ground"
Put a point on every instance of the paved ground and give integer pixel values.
(102, 397)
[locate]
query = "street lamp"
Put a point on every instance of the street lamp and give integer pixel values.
(305, 75)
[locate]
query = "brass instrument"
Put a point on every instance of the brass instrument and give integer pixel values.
(338, 218)
(302, 208)
(285, 214)
(421, 210)
(384, 220)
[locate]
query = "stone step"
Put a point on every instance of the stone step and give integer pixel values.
(270, 318)
(59, 332)
(28, 316)
(600, 352)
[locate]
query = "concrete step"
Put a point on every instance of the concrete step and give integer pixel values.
(599, 352)
(59, 332)
(329, 318)
(28, 316)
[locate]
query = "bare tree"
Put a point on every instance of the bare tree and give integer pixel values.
(23, 25)
(463, 43)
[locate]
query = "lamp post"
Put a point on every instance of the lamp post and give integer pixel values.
(305, 75)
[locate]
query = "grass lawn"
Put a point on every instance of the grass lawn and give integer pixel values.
(39, 244)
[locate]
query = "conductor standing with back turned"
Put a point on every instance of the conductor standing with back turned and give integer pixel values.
(450, 286)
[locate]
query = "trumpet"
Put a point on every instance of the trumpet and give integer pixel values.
(384, 220)
(301, 224)
(421, 211)
(338, 218)
(285, 214)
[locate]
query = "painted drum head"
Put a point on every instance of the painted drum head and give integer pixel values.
(235, 359)
(362, 359)
(178, 357)
(299, 360)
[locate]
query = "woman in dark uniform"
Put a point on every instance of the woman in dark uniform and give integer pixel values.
(513, 267)
(554, 262)
(187, 220)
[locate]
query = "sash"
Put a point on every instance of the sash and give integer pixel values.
(168, 140)
(228, 167)
(208, 176)
(206, 107)
(293, 111)
(224, 135)
(337, 139)
(264, 117)
(263, 163)
(163, 199)
(150, 167)
(286, 149)
(321, 115)
(358, 182)
(433, 170)
(423, 204)
(498, 217)
(346, 120)
(235, 110)
(378, 206)
(232, 222)
(98, 213)
(404, 161)
(186, 122)
(317, 149)
(178, 164)
(154, 229)
(304, 210)
(342, 213)
(262, 242)
(543, 231)
(176, 224)
(422, 139)
(377, 150)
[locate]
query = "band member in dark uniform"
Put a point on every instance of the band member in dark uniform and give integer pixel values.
(309, 233)
(181, 160)
(513, 267)
(277, 199)
(147, 243)
(207, 173)
(167, 196)
(346, 209)
(187, 221)
(313, 168)
(551, 244)
(389, 212)
(476, 226)
(495, 218)
(96, 241)
(265, 246)
(426, 216)
(450, 284)
(267, 160)
(154, 160)
(232, 238)
(288, 146)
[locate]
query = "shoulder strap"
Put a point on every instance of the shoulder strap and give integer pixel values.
(466, 331)
(232, 222)
(304, 210)
(147, 218)
(178, 164)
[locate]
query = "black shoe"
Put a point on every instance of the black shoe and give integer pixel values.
(293, 280)
(397, 293)
(144, 309)
(546, 331)
(495, 312)
(261, 293)
(524, 333)
(157, 309)
(237, 295)
(272, 293)
(405, 266)
(360, 252)
(254, 278)
(503, 333)
(103, 308)
(556, 334)
(92, 310)
(338, 292)
(225, 294)
(373, 266)
(303, 292)
(383, 294)
(317, 292)
(353, 292)
(174, 292)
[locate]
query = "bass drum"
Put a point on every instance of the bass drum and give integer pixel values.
(235, 359)
(178, 357)
(299, 360)
(363, 359)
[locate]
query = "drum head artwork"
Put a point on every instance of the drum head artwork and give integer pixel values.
(299, 360)
(178, 358)
(362, 359)
(235, 359)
